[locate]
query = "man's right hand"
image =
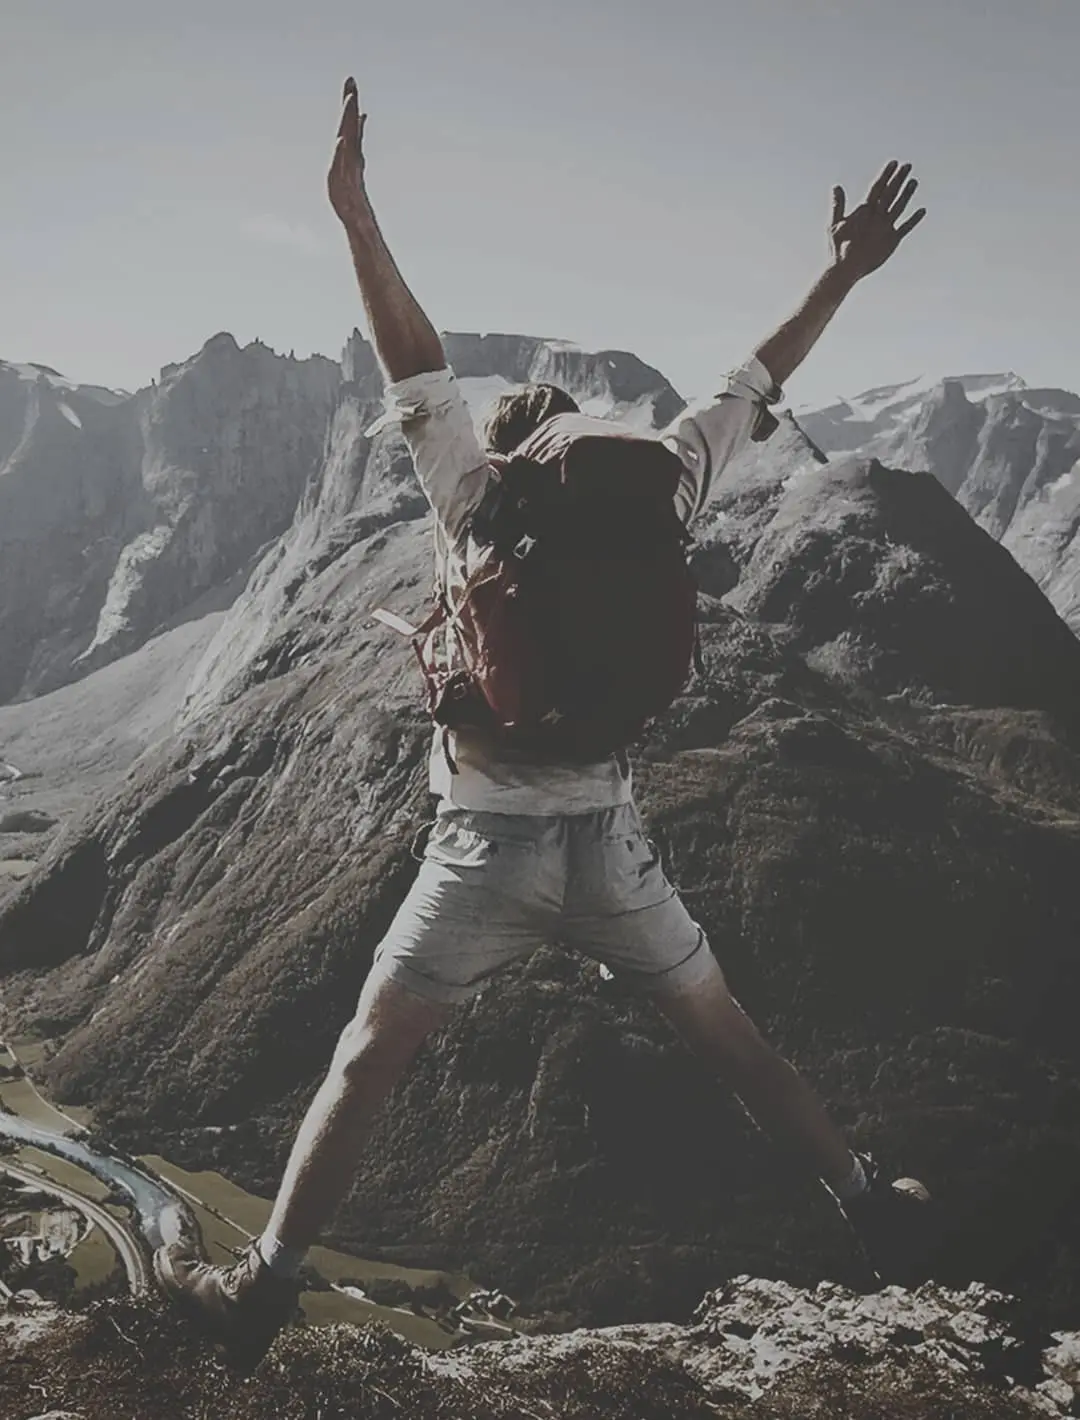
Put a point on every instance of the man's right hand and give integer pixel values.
(345, 181)
(866, 238)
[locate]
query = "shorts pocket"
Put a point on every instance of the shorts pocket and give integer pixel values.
(456, 847)
(642, 855)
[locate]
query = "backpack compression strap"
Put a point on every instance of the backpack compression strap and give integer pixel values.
(557, 436)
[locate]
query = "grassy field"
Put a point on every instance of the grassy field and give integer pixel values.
(21, 1098)
(70, 1175)
(94, 1259)
(30, 1049)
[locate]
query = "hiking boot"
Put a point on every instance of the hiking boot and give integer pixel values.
(243, 1306)
(895, 1226)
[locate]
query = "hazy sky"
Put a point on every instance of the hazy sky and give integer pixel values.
(650, 176)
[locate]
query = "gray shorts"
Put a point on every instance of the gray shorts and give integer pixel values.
(494, 887)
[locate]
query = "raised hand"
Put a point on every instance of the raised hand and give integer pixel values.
(864, 239)
(345, 181)
(405, 341)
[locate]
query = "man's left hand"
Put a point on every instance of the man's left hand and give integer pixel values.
(864, 239)
(345, 181)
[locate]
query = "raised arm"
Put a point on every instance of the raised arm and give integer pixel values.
(405, 341)
(860, 243)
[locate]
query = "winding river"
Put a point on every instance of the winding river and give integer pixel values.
(162, 1216)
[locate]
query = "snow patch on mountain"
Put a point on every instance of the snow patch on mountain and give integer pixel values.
(872, 402)
(115, 619)
(1060, 484)
(32, 373)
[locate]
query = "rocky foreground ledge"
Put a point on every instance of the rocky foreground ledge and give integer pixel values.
(753, 1349)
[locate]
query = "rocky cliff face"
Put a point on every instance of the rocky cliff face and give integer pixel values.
(119, 512)
(869, 800)
(754, 1350)
(1009, 454)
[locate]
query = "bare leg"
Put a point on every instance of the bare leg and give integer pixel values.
(776, 1097)
(373, 1052)
(247, 1303)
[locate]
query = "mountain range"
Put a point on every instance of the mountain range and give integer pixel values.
(870, 798)
(122, 515)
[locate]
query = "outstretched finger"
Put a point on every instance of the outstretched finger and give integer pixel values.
(349, 128)
(895, 183)
(839, 203)
(900, 204)
(877, 190)
(911, 223)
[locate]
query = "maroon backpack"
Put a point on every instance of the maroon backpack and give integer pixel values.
(579, 624)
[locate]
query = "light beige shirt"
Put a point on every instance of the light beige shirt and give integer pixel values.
(454, 473)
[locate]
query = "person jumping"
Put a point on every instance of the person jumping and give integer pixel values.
(537, 837)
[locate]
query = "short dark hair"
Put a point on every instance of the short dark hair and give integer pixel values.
(519, 413)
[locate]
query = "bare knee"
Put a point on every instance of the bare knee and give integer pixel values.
(390, 1025)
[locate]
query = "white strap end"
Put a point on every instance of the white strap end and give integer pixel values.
(396, 623)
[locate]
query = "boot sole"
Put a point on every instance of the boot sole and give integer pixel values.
(920, 1197)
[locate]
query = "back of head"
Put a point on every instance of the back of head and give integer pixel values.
(516, 415)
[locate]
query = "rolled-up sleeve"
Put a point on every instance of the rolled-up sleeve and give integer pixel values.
(709, 433)
(438, 428)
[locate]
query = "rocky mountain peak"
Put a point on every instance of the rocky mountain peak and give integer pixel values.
(1005, 451)
(358, 362)
(222, 353)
